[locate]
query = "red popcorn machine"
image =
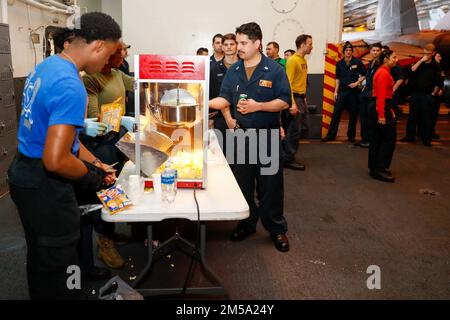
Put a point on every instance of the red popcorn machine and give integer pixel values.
(171, 110)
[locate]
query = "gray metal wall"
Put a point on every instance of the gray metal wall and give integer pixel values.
(8, 117)
(315, 105)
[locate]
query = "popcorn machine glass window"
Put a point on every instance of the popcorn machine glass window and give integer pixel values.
(171, 107)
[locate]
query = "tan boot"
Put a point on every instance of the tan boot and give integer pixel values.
(108, 253)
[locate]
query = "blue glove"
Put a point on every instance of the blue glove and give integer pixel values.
(94, 128)
(128, 123)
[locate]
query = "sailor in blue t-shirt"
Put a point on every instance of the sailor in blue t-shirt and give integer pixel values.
(51, 159)
(53, 94)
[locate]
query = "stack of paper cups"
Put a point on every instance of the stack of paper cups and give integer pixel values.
(135, 188)
(156, 177)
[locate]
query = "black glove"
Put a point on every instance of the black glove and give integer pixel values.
(93, 179)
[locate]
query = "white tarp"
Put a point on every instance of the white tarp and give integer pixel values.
(444, 23)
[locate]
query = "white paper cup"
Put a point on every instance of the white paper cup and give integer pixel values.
(135, 190)
(156, 177)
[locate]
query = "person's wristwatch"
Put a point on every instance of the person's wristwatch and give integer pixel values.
(96, 161)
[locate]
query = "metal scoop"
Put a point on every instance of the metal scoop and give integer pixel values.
(155, 149)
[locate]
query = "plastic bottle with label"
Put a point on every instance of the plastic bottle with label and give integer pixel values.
(174, 167)
(171, 164)
(168, 188)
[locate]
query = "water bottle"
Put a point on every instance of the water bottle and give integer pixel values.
(168, 185)
(171, 164)
(361, 85)
(174, 168)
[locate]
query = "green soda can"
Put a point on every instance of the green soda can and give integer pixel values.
(242, 96)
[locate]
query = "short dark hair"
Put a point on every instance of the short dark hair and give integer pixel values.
(385, 48)
(252, 30)
(218, 35)
(301, 39)
(386, 54)
(93, 26)
(290, 51)
(376, 45)
(229, 36)
(201, 50)
(275, 45)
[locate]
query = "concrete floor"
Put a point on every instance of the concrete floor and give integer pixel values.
(340, 223)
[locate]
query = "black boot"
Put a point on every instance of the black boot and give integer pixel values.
(382, 176)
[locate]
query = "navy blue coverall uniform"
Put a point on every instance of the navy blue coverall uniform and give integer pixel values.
(365, 101)
(438, 99)
(421, 108)
(397, 74)
(268, 82)
(217, 74)
(347, 97)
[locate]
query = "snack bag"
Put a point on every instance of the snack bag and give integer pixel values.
(111, 115)
(114, 199)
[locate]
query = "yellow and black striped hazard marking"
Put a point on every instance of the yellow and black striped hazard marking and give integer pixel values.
(331, 59)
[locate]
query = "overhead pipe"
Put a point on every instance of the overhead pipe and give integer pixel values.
(55, 4)
(39, 5)
(4, 5)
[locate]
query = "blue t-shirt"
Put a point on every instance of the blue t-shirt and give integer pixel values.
(53, 95)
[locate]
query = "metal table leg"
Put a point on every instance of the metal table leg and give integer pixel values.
(148, 265)
(178, 242)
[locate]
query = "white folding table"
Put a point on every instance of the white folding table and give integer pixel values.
(222, 200)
